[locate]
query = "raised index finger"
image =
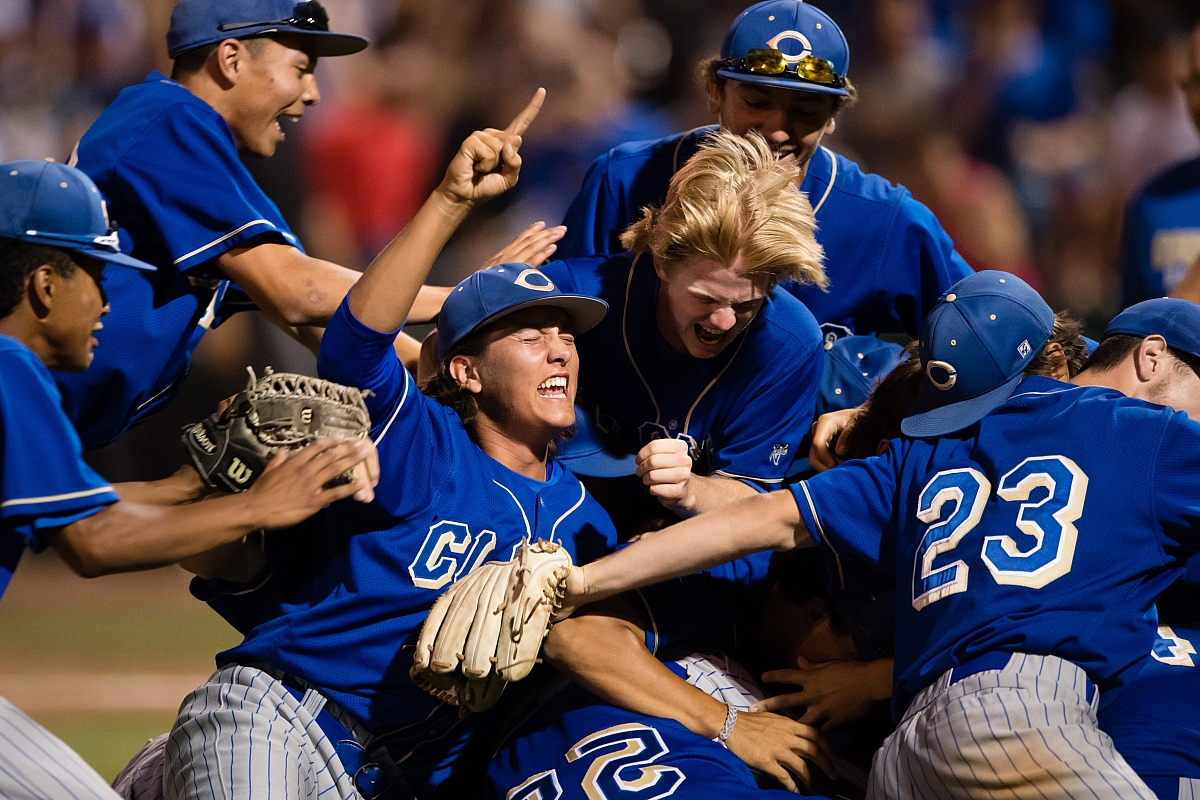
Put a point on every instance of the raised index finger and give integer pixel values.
(528, 115)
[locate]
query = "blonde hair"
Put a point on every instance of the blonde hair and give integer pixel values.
(733, 198)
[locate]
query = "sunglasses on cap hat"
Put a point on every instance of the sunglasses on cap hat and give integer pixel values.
(308, 16)
(769, 61)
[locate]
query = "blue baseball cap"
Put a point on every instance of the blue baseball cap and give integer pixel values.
(51, 204)
(592, 451)
(498, 291)
(975, 345)
(1177, 321)
(798, 31)
(853, 365)
(197, 23)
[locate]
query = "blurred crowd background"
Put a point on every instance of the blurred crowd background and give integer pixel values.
(1025, 125)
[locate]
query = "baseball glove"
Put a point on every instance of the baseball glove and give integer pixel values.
(486, 629)
(231, 448)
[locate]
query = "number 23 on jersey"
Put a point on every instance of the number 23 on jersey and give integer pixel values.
(953, 503)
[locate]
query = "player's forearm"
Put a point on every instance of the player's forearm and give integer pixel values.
(763, 522)
(185, 486)
(708, 493)
(428, 304)
(130, 536)
(608, 657)
(385, 295)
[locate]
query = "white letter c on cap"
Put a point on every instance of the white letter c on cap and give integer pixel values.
(523, 280)
(951, 375)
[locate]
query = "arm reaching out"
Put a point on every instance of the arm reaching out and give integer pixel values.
(487, 165)
(763, 522)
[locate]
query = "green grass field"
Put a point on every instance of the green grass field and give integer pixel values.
(60, 635)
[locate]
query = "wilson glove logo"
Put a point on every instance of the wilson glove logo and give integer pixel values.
(239, 472)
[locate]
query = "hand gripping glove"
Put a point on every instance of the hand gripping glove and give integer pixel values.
(231, 448)
(486, 629)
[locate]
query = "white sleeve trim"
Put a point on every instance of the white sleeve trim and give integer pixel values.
(821, 532)
(55, 498)
(227, 236)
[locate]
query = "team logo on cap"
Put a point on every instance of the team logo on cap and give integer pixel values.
(951, 375)
(1024, 349)
(783, 36)
(546, 285)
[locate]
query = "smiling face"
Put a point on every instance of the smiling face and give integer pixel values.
(275, 83)
(791, 121)
(703, 306)
(77, 306)
(527, 373)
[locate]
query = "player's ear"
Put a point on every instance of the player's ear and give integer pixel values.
(43, 288)
(465, 372)
(715, 87)
(225, 62)
(1151, 359)
(830, 126)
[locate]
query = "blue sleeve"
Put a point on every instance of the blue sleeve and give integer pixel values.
(1176, 502)
(773, 415)
(707, 606)
(184, 172)
(594, 220)
(353, 354)
(941, 266)
(46, 483)
(852, 507)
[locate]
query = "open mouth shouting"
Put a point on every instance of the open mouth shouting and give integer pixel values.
(708, 336)
(553, 388)
(292, 118)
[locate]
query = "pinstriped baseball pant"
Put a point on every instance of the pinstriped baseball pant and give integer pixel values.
(35, 765)
(242, 736)
(1189, 789)
(1025, 731)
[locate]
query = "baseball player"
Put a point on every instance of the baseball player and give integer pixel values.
(782, 73)
(166, 156)
(705, 369)
(578, 748)
(318, 701)
(1161, 235)
(1000, 516)
(1153, 720)
(54, 244)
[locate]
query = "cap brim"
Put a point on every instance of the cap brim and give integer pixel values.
(327, 43)
(120, 259)
(932, 417)
(781, 83)
(598, 463)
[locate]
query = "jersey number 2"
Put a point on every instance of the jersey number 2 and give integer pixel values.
(622, 768)
(1050, 522)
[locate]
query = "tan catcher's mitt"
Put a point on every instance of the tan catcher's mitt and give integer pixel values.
(487, 629)
(231, 448)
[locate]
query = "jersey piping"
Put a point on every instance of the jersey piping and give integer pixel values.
(392, 418)
(28, 501)
(528, 530)
(832, 178)
(821, 532)
(229, 235)
(569, 512)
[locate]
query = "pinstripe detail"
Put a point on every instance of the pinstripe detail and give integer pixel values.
(1189, 789)
(34, 763)
(243, 735)
(1026, 732)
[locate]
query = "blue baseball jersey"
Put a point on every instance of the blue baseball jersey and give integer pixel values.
(44, 482)
(168, 165)
(579, 748)
(742, 413)
(1154, 721)
(1049, 528)
(1161, 239)
(887, 258)
(442, 508)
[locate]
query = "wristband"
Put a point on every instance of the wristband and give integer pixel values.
(730, 721)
